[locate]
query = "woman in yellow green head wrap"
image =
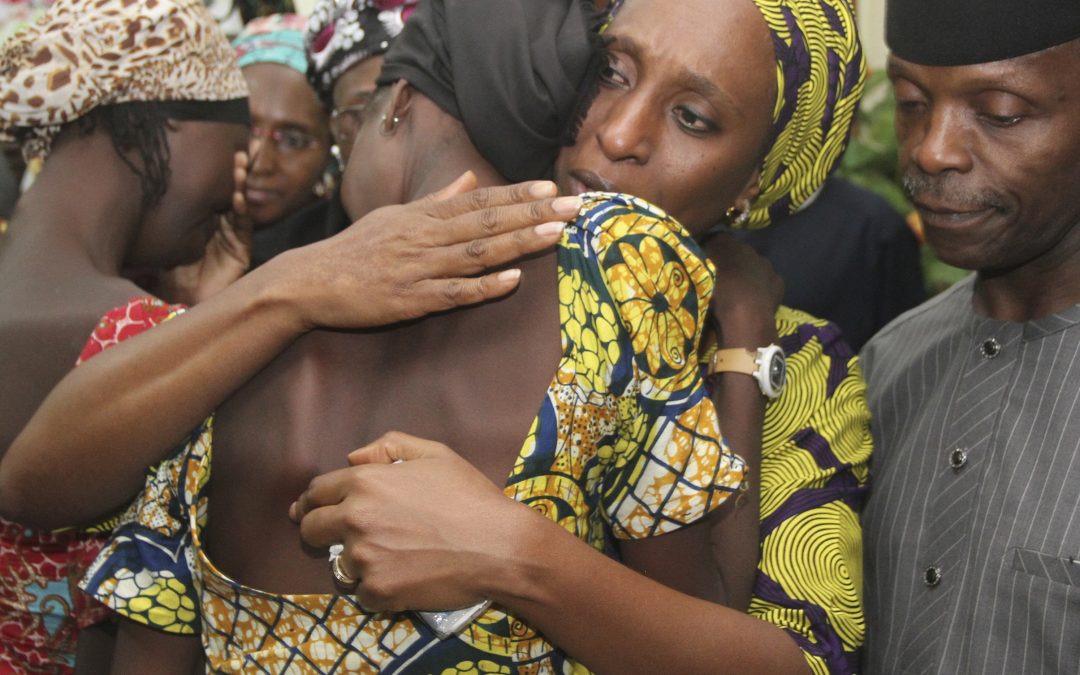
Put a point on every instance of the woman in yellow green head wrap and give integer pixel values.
(721, 109)
(736, 111)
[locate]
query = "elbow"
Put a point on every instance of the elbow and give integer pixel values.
(20, 500)
(11, 497)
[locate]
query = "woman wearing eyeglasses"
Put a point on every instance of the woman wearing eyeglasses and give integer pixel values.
(344, 44)
(290, 138)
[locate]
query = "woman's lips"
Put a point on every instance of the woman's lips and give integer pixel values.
(257, 196)
(587, 181)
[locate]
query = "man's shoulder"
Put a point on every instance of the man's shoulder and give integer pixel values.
(938, 316)
(910, 354)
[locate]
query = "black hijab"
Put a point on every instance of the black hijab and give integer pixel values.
(519, 74)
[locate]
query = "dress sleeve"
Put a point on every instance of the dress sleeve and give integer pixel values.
(668, 464)
(120, 323)
(144, 571)
(815, 458)
(127, 321)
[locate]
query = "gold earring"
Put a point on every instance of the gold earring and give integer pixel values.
(737, 217)
(325, 185)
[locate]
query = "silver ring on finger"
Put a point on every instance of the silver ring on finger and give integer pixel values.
(341, 577)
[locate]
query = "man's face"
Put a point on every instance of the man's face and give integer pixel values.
(990, 155)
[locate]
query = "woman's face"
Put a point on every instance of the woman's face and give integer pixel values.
(200, 187)
(367, 185)
(290, 142)
(684, 109)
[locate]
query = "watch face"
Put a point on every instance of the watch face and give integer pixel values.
(777, 372)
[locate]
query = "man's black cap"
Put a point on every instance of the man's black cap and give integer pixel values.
(964, 32)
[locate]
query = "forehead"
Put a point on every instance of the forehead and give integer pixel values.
(279, 93)
(202, 140)
(725, 41)
(698, 29)
(1050, 76)
(358, 80)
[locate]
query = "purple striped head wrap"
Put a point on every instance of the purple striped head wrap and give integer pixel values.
(820, 72)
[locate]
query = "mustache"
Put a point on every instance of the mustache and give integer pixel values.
(918, 186)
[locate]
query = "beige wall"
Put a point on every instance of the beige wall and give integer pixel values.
(871, 19)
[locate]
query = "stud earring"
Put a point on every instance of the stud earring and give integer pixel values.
(737, 217)
(387, 124)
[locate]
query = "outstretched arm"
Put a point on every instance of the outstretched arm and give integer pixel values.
(85, 451)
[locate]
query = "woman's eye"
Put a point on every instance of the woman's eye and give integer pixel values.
(693, 122)
(610, 73)
(296, 140)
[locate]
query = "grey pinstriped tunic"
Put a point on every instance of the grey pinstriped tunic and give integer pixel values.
(972, 529)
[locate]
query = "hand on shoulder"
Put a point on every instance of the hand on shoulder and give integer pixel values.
(402, 262)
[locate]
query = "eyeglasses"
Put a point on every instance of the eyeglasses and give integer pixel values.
(285, 140)
(345, 120)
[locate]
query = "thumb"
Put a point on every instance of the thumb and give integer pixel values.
(396, 446)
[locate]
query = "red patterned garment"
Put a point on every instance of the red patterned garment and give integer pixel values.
(41, 607)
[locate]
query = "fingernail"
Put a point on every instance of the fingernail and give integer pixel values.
(567, 205)
(543, 189)
(508, 275)
(549, 229)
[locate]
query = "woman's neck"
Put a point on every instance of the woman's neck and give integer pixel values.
(440, 153)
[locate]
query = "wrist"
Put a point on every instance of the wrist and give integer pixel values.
(766, 365)
(275, 293)
(521, 579)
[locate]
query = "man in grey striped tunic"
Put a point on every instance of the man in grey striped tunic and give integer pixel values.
(972, 528)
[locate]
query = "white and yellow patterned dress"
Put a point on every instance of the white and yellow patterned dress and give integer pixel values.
(626, 445)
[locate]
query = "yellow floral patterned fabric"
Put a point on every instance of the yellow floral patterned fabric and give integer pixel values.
(626, 444)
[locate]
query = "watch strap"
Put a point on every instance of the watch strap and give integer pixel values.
(734, 360)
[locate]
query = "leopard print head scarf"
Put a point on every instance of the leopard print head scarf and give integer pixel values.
(87, 53)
